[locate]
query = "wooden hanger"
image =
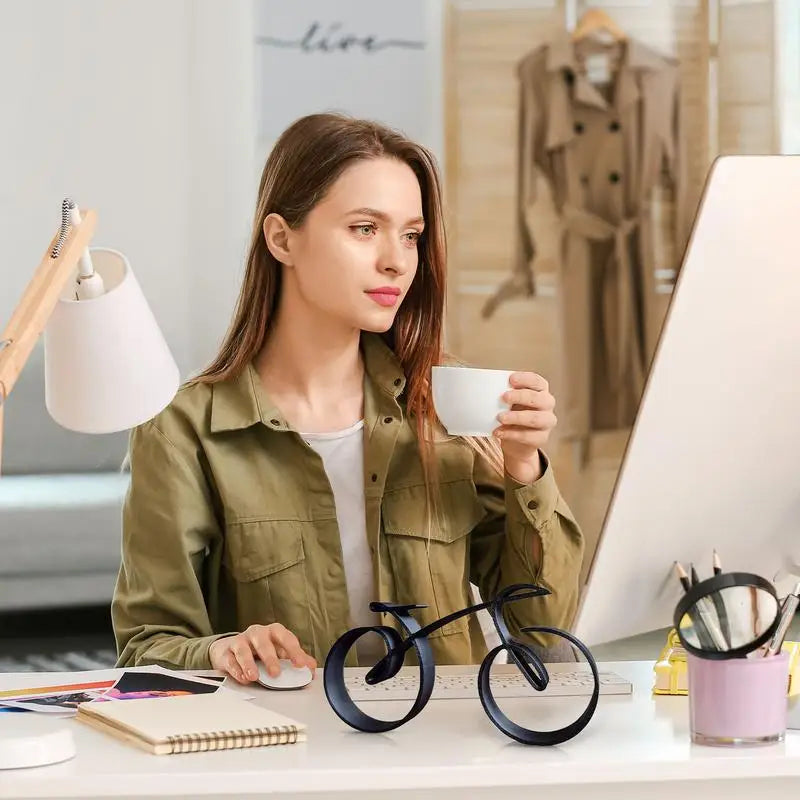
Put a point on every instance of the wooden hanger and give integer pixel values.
(595, 20)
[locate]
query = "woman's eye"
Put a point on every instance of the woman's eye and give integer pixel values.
(364, 230)
(412, 237)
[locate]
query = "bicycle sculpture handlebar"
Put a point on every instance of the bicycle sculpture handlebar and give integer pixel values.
(521, 654)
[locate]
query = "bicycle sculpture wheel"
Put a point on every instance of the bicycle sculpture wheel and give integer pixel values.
(521, 654)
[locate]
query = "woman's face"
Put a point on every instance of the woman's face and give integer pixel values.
(355, 255)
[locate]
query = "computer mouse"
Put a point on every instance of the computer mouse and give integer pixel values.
(291, 677)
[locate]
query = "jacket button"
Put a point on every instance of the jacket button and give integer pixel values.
(614, 177)
(398, 381)
(532, 505)
(614, 126)
(275, 421)
(578, 127)
(388, 420)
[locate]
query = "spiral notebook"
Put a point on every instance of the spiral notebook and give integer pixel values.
(191, 723)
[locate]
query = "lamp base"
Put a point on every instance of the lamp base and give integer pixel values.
(30, 743)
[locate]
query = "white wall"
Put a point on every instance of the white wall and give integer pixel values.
(128, 108)
(379, 60)
(147, 112)
(223, 183)
(787, 31)
(94, 118)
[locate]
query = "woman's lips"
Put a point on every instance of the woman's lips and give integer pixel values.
(384, 298)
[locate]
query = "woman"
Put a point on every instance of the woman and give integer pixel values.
(304, 473)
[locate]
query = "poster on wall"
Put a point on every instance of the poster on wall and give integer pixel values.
(376, 60)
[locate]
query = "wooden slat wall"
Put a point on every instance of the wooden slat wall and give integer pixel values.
(747, 85)
(484, 43)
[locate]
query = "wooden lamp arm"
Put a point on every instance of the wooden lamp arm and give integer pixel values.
(33, 311)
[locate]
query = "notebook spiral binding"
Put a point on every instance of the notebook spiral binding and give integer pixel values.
(226, 740)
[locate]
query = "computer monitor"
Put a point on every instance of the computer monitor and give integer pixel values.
(713, 460)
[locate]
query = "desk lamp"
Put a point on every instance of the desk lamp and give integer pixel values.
(107, 366)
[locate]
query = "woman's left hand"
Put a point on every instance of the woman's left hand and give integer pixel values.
(526, 426)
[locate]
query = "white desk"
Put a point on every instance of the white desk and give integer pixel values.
(636, 746)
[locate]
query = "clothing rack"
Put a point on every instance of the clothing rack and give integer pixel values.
(712, 88)
(570, 14)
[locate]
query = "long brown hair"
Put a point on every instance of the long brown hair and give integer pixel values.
(305, 162)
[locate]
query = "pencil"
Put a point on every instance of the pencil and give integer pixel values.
(700, 622)
(786, 614)
(720, 639)
(719, 607)
(682, 577)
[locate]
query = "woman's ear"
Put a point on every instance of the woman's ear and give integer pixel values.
(276, 235)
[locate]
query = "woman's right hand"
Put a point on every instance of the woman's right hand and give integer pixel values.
(237, 655)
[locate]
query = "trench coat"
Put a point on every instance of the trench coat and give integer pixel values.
(603, 150)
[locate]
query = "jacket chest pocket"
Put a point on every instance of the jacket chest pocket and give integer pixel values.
(266, 559)
(431, 562)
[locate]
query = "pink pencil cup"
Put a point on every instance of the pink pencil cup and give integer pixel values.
(738, 701)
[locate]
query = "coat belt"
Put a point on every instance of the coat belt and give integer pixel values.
(617, 281)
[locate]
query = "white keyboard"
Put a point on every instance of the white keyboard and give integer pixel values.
(461, 683)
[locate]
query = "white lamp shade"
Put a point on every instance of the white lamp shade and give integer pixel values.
(107, 366)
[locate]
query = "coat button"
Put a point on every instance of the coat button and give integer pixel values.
(398, 381)
(388, 420)
(276, 422)
(533, 505)
(614, 177)
(578, 127)
(614, 126)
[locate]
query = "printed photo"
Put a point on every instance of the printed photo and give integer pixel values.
(130, 685)
(55, 703)
(138, 685)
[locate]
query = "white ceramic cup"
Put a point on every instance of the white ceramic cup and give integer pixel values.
(468, 400)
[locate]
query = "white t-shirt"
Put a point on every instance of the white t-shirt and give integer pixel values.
(342, 454)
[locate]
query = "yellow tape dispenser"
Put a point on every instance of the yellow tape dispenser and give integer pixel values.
(670, 669)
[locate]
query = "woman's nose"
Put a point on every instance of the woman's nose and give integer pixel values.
(392, 259)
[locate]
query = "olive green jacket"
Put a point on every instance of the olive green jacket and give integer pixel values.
(230, 521)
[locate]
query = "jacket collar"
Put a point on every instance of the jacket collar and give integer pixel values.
(635, 58)
(561, 54)
(242, 401)
(382, 365)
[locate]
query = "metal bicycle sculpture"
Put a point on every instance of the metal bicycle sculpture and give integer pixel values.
(521, 654)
